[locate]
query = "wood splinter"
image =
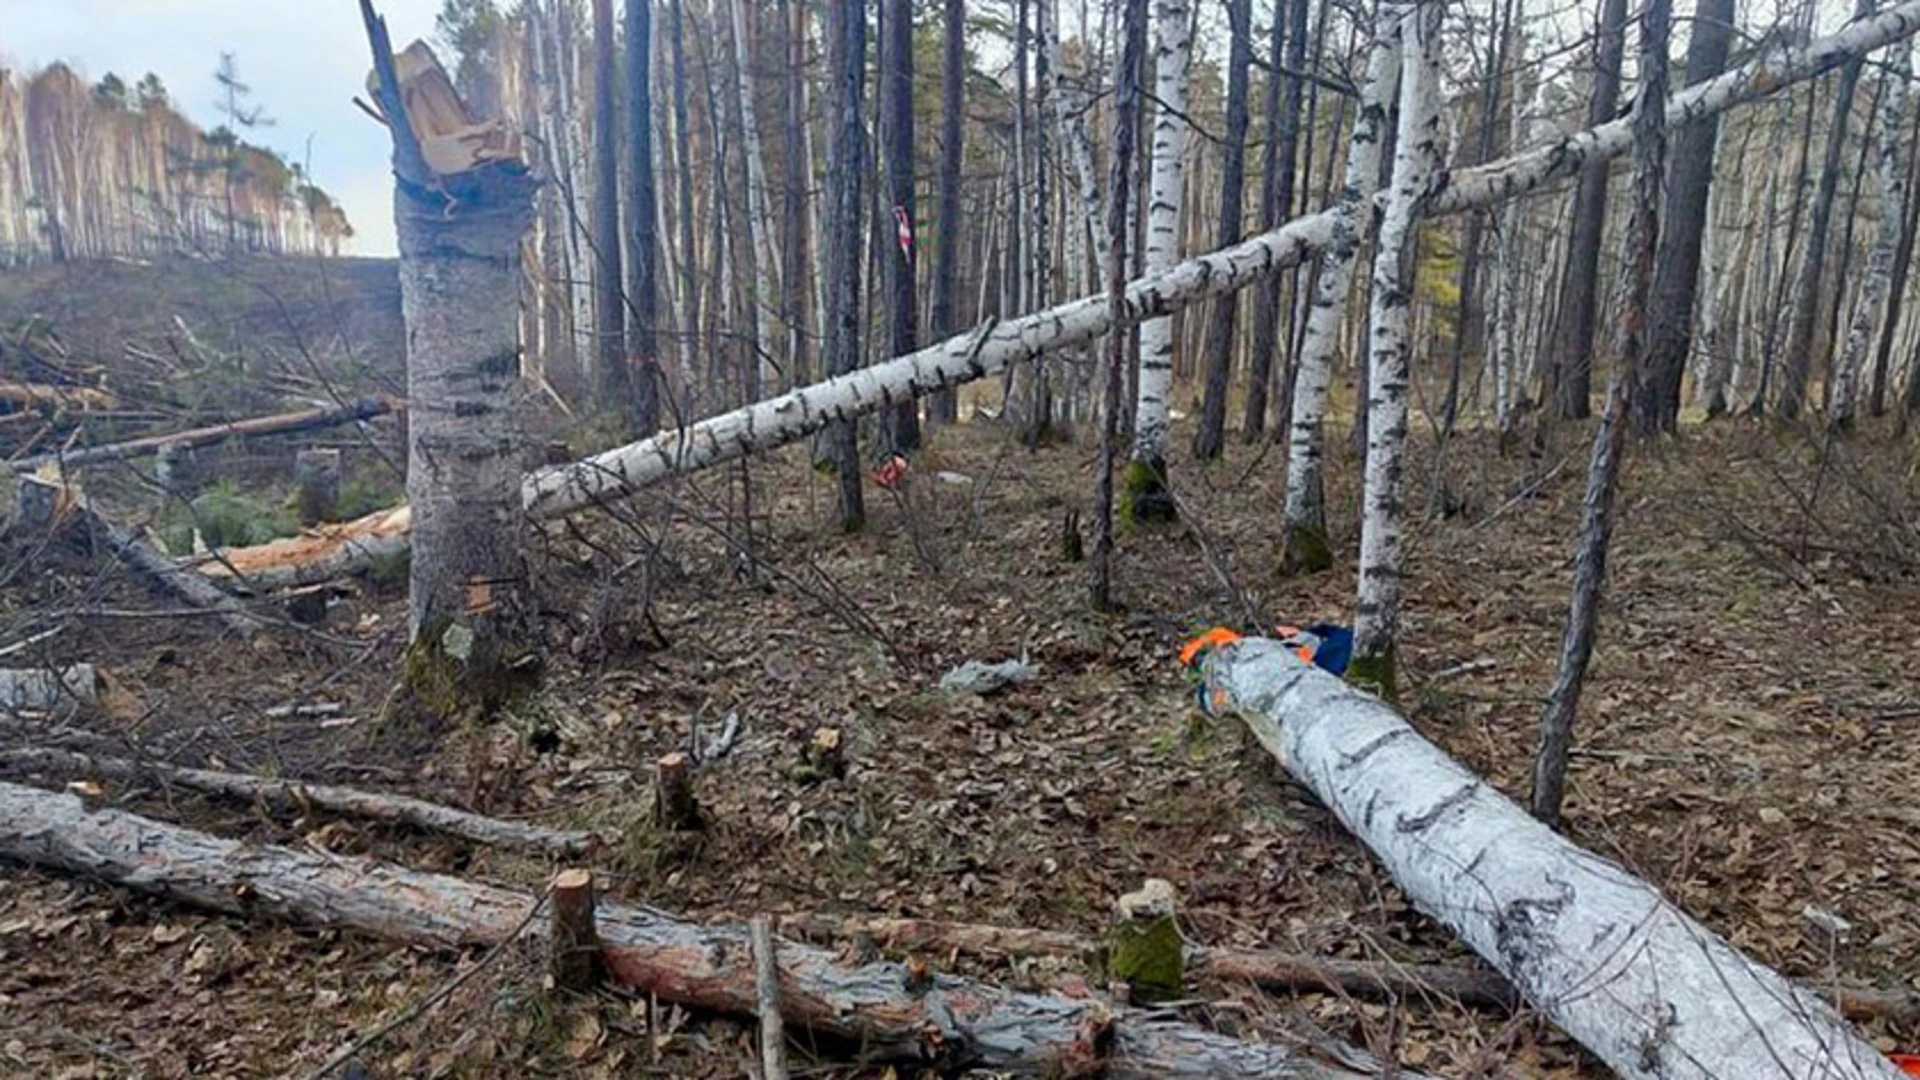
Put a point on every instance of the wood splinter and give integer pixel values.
(766, 973)
(574, 957)
(673, 793)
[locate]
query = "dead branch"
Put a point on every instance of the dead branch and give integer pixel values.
(365, 408)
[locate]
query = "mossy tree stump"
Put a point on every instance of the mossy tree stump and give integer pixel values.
(1145, 950)
(1145, 498)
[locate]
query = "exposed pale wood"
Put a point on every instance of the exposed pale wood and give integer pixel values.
(296, 795)
(365, 408)
(952, 1024)
(41, 689)
(27, 395)
(1652, 992)
(766, 977)
(316, 555)
(573, 942)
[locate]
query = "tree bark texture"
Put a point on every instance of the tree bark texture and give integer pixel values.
(761, 256)
(952, 1024)
(1888, 168)
(643, 222)
(1417, 161)
(945, 312)
(1651, 992)
(1211, 441)
(846, 164)
(1278, 161)
(902, 258)
(609, 305)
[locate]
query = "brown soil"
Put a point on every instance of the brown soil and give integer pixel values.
(1747, 742)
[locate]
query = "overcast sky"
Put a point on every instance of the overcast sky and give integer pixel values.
(305, 60)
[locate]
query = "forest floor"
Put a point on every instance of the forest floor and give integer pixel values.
(1748, 743)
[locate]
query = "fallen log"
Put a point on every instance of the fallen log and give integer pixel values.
(365, 408)
(294, 794)
(30, 395)
(1652, 992)
(316, 555)
(945, 1022)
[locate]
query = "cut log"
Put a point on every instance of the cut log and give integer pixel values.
(1652, 992)
(365, 408)
(295, 795)
(317, 555)
(955, 1023)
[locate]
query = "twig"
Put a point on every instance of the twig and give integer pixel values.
(414, 1011)
(766, 973)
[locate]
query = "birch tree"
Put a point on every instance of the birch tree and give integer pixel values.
(460, 216)
(1891, 180)
(1287, 50)
(846, 163)
(1304, 542)
(1144, 495)
(761, 255)
(1417, 159)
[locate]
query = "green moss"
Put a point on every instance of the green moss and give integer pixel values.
(225, 518)
(1376, 674)
(1148, 956)
(362, 496)
(1144, 498)
(1305, 550)
(452, 676)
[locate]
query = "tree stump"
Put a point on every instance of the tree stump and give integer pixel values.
(176, 467)
(316, 479)
(574, 957)
(673, 793)
(1145, 951)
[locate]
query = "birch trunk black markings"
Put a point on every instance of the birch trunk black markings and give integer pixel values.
(462, 206)
(1653, 993)
(1211, 440)
(1896, 293)
(950, 1024)
(1874, 291)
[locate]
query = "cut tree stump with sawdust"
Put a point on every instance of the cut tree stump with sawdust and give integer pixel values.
(1652, 992)
(948, 1023)
(299, 796)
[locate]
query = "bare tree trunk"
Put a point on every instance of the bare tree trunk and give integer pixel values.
(1874, 291)
(1467, 327)
(762, 256)
(1417, 159)
(902, 423)
(1144, 495)
(1902, 262)
(1579, 286)
(794, 197)
(1120, 189)
(1210, 442)
(1305, 546)
(1609, 445)
(945, 408)
(846, 163)
(460, 237)
(1807, 281)
(609, 307)
(643, 220)
(683, 141)
(1040, 410)
(1278, 162)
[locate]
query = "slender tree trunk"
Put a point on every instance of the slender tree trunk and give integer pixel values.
(1902, 262)
(1874, 291)
(762, 256)
(1072, 105)
(896, 126)
(1656, 400)
(609, 307)
(1468, 327)
(683, 143)
(1278, 163)
(1417, 160)
(945, 408)
(793, 211)
(1511, 222)
(1210, 442)
(643, 219)
(846, 163)
(1305, 546)
(1798, 348)
(1144, 495)
(1126, 82)
(1039, 419)
(460, 237)
(1579, 285)
(1603, 476)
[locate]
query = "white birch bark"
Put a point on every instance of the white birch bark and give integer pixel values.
(1173, 54)
(1506, 259)
(1071, 105)
(1873, 291)
(1651, 992)
(1416, 162)
(1304, 526)
(762, 256)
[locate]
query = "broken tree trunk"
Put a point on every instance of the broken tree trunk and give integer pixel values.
(372, 805)
(952, 1022)
(1653, 993)
(624, 470)
(365, 408)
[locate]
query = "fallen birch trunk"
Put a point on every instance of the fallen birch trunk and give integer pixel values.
(365, 408)
(622, 471)
(374, 806)
(1651, 992)
(316, 555)
(945, 1022)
